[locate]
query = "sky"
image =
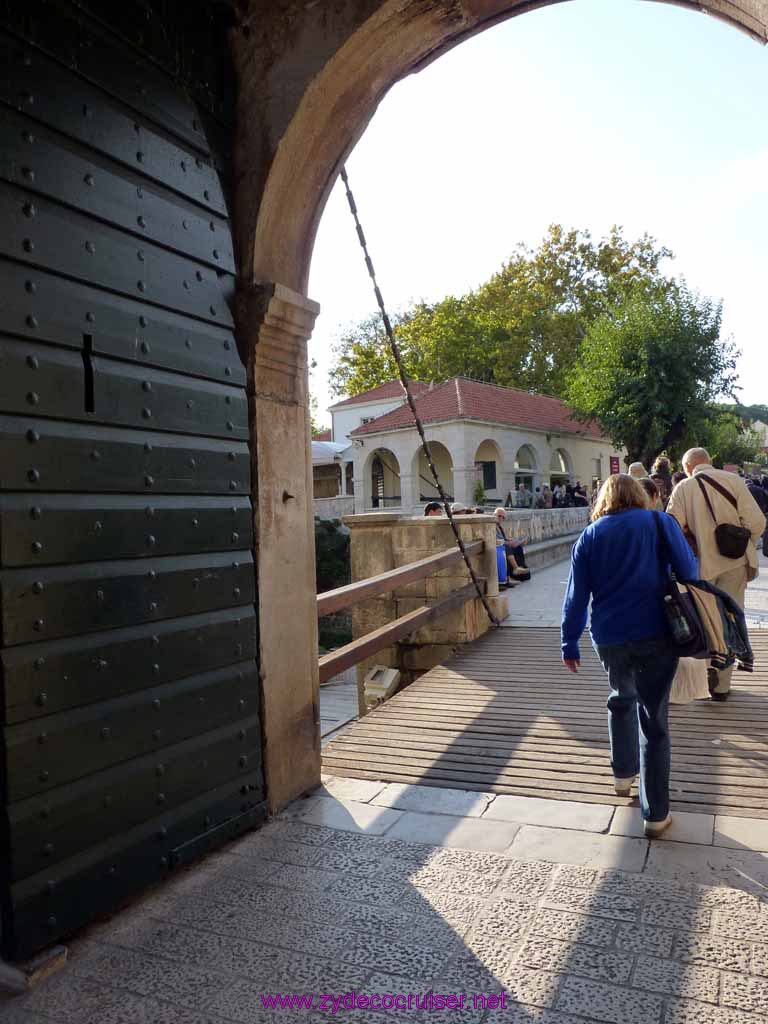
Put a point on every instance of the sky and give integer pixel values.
(587, 113)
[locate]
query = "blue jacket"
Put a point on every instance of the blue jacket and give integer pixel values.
(616, 562)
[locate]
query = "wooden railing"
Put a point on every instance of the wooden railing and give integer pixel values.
(344, 597)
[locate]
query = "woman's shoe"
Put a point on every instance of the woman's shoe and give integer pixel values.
(623, 786)
(653, 829)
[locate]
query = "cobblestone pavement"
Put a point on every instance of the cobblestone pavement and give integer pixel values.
(538, 602)
(300, 908)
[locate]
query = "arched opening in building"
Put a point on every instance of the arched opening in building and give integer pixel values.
(489, 473)
(526, 469)
(424, 485)
(383, 480)
(560, 468)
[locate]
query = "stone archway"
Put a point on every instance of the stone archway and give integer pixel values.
(317, 110)
(310, 79)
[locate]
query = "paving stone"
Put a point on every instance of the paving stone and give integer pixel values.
(709, 865)
(300, 879)
(348, 815)
(741, 833)
(452, 906)
(540, 988)
(445, 830)
(505, 919)
(297, 831)
(469, 883)
(516, 1013)
(659, 975)
(573, 874)
(67, 998)
(145, 975)
(244, 867)
(739, 925)
(387, 890)
(486, 962)
(527, 880)
(726, 954)
(646, 887)
(393, 923)
(609, 1003)
(723, 897)
(560, 924)
(640, 938)
(593, 901)
(745, 993)
(360, 790)
(563, 814)
(468, 860)
(685, 827)
(662, 914)
(566, 957)
(383, 983)
(689, 1011)
(758, 961)
(381, 846)
(433, 800)
(242, 1001)
(283, 851)
(572, 847)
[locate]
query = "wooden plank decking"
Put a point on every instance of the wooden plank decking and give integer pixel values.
(503, 716)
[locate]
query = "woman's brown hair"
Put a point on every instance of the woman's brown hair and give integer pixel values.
(618, 494)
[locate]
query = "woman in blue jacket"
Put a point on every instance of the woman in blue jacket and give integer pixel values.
(616, 562)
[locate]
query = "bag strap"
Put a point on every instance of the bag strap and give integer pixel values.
(700, 482)
(661, 543)
(719, 487)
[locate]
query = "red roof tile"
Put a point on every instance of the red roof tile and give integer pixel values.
(460, 398)
(391, 389)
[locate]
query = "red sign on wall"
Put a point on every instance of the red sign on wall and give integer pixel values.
(615, 464)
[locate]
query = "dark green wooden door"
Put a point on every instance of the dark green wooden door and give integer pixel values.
(131, 738)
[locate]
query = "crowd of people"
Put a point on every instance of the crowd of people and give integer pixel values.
(561, 495)
(514, 546)
(642, 527)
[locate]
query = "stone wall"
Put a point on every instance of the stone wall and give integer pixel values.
(334, 508)
(536, 525)
(384, 541)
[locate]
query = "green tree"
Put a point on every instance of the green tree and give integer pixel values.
(649, 369)
(521, 328)
(726, 438)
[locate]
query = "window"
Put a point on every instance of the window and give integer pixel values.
(489, 475)
(366, 419)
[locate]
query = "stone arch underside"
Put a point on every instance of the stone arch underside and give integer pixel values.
(317, 89)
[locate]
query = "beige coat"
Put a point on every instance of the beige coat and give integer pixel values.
(689, 508)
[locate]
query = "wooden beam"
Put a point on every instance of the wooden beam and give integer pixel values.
(343, 597)
(349, 655)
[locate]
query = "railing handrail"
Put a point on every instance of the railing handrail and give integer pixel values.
(344, 597)
(351, 654)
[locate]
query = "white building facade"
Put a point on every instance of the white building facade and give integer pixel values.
(466, 453)
(481, 437)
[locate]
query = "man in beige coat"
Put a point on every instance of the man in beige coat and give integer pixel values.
(689, 507)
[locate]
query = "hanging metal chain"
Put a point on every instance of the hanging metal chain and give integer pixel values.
(396, 355)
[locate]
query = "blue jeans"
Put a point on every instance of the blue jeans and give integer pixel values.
(640, 675)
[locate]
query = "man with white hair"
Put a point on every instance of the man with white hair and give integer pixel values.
(708, 498)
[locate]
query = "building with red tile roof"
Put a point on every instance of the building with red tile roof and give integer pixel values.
(482, 437)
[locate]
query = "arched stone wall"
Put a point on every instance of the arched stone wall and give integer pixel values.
(310, 77)
(306, 101)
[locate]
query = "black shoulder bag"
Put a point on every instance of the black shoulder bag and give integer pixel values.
(731, 540)
(687, 635)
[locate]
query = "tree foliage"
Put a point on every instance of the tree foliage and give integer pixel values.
(726, 438)
(521, 328)
(650, 368)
